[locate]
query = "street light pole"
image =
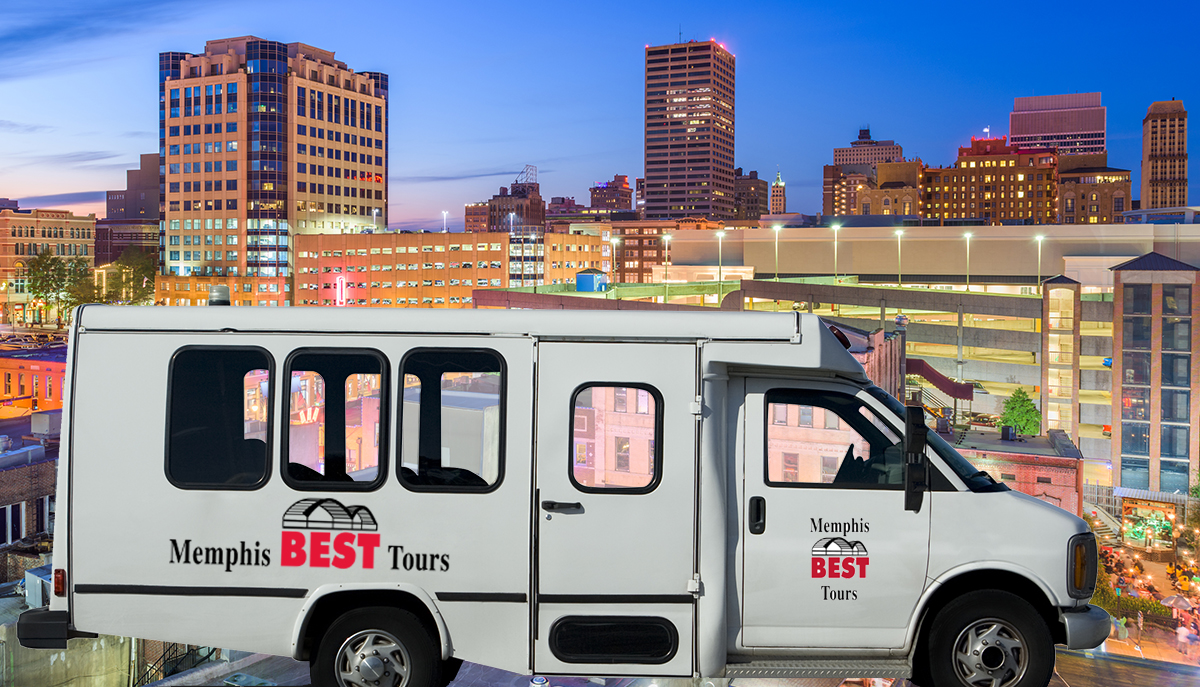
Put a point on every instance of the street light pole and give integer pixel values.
(777, 229)
(615, 242)
(899, 270)
(1039, 239)
(967, 236)
(666, 239)
(720, 266)
(836, 228)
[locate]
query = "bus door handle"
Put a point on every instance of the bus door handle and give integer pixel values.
(758, 515)
(560, 506)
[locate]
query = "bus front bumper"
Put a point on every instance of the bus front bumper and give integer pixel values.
(1087, 627)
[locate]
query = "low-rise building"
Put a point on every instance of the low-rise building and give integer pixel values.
(32, 378)
(896, 191)
(23, 235)
(437, 270)
(476, 215)
(1091, 192)
(614, 195)
(842, 184)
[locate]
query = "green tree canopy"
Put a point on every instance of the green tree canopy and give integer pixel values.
(47, 277)
(127, 281)
(1020, 412)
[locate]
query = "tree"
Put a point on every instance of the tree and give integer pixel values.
(1021, 413)
(127, 281)
(135, 283)
(47, 275)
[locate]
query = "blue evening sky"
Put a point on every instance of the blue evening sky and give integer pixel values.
(480, 89)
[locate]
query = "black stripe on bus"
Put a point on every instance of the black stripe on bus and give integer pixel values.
(501, 597)
(615, 598)
(159, 590)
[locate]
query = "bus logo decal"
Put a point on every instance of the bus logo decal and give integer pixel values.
(839, 557)
(328, 514)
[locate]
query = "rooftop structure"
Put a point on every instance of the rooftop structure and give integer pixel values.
(1069, 124)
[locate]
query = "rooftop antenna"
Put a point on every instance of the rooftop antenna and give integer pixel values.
(681, 33)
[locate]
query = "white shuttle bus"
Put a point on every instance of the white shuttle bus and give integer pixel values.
(385, 493)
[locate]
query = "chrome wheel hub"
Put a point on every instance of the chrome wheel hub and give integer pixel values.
(372, 658)
(990, 653)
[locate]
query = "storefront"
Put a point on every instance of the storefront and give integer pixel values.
(1150, 525)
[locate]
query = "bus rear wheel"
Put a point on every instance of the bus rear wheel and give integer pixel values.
(375, 647)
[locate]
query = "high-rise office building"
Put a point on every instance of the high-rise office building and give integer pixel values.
(689, 140)
(867, 150)
(260, 141)
(778, 195)
(1072, 124)
(1164, 156)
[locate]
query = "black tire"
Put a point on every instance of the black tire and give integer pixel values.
(989, 639)
(383, 639)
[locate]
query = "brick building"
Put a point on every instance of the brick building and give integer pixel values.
(1154, 372)
(1091, 192)
(750, 195)
(841, 186)
(26, 514)
(437, 270)
(614, 195)
(996, 182)
(641, 246)
(896, 191)
(475, 217)
(23, 235)
(431, 270)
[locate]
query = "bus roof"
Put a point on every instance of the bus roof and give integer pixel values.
(818, 347)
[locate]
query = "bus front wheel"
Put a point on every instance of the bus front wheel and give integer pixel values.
(376, 646)
(990, 638)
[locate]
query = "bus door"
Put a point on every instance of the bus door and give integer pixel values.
(615, 524)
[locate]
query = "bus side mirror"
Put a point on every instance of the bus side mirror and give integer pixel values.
(916, 468)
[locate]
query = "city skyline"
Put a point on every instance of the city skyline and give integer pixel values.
(455, 139)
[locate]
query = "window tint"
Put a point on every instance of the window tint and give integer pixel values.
(218, 422)
(452, 420)
(335, 438)
(614, 438)
(847, 445)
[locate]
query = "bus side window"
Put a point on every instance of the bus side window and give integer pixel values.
(336, 439)
(452, 420)
(218, 418)
(616, 439)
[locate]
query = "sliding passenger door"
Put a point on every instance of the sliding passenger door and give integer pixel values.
(616, 466)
